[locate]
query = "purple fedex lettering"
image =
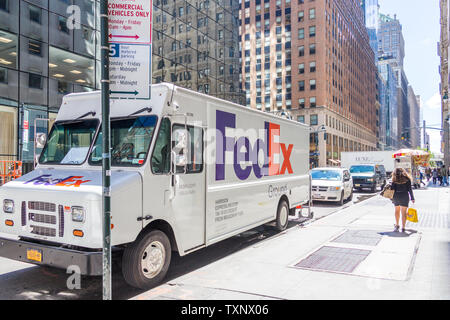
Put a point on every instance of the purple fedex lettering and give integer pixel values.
(242, 149)
(223, 143)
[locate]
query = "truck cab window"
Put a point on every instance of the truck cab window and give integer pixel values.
(195, 150)
(161, 152)
(130, 141)
(69, 142)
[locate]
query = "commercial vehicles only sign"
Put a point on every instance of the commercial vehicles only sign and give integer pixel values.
(130, 36)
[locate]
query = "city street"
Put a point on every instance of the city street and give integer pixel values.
(236, 268)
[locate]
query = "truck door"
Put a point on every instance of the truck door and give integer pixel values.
(188, 185)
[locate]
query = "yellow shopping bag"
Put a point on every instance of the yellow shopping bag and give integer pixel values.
(411, 215)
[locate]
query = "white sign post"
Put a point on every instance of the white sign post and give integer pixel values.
(130, 36)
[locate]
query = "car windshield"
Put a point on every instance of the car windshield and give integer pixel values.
(362, 169)
(69, 142)
(326, 175)
(130, 141)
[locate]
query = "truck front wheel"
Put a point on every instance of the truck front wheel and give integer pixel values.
(146, 261)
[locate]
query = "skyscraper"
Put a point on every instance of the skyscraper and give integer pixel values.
(312, 58)
(44, 55)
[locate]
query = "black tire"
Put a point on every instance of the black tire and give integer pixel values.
(282, 216)
(134, 254)
(374, 188)
(341, 201)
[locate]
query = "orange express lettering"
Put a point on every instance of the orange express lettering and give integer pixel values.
(46, 180)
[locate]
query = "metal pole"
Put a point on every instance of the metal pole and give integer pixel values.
(106, 150)
(444, 78)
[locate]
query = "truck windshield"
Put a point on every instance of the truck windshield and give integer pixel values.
(130, 141)
(69, 142)
(362, 169)
(326, 175)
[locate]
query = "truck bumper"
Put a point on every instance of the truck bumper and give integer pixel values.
(90, 263)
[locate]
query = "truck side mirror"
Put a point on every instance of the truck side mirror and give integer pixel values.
(180, 147)
(40, 140)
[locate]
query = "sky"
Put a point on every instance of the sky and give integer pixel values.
(421, 31)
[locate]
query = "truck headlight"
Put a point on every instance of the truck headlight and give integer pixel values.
(370, 180)
(335, 188)
(78, 214)
(8, 206)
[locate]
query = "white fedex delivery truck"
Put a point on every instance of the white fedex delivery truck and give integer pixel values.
(188, 170)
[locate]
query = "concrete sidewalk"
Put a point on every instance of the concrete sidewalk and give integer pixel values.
(351, 254)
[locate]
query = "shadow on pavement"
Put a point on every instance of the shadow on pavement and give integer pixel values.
(203, 257)
(398, 234)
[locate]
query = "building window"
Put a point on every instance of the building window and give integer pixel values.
(301, 85)
(312, 84)
(4, 75)
(62, 25)
(314, 120)
(301, 33)
(301, 51)
(35, 47)
(312, 49)
(301, 68)
(34, 81)
(301, 103)
(4, 5)
(301, 16)
(312, 66)
(35, 14)
(312, 31)
(301, 119)
(312, 102)
(312, 14)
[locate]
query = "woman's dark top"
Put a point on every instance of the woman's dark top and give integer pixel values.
(403, 191)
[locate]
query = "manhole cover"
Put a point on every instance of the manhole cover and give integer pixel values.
(334, 259)
(361, 237)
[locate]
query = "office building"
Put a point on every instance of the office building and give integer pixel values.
(312, 59)
(50, 48)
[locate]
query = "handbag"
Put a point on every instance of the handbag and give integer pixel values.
(411, 215)
(388, 192)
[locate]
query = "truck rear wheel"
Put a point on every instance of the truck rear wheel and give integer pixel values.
(282, 216)
(145, 262)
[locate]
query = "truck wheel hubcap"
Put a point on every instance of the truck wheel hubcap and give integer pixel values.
(283, 216)
(153, 259)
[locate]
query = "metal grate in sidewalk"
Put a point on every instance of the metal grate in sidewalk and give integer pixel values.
(334, 259)
(360, 237)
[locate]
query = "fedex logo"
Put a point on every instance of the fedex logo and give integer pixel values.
(72, 181)
(243, 151)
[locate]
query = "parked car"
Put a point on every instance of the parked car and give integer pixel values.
(332, 184)
(368, 176)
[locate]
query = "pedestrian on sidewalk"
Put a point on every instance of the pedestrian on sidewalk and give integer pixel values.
(444, 174)
(401, 184)
(435, 176)
(428, 173)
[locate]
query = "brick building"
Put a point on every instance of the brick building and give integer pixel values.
(312, 58)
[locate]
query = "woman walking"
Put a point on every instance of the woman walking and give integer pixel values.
(401, 184)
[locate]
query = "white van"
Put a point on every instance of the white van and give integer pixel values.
(332, 184)
(188, 170)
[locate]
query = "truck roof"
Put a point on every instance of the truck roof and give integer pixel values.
(76, 105)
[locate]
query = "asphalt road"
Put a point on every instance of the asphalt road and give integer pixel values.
(21, 281)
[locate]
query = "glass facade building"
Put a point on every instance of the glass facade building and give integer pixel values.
(49, 48)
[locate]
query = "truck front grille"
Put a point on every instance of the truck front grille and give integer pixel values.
(323, 189)
(42, 218)
(43, 231)
(41, 206)
(61, 221)
(24, 213)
